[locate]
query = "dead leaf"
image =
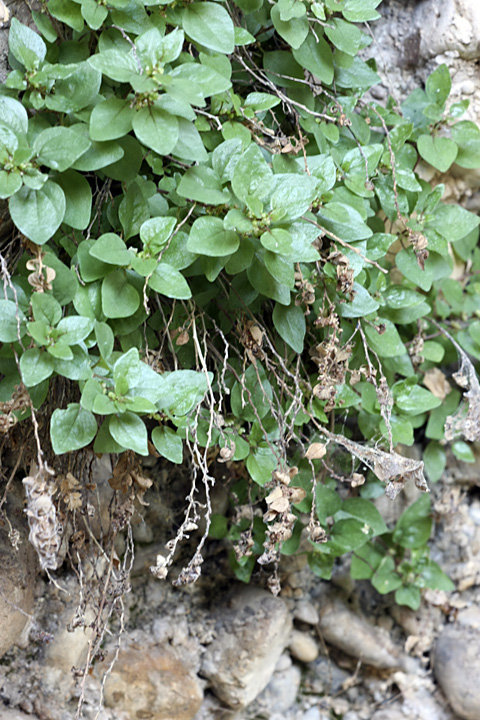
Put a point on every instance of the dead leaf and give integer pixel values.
(316, 451)
(435, 380)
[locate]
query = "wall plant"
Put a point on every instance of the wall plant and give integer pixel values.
(222, 250)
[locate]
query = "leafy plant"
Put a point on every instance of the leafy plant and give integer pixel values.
(221, 246)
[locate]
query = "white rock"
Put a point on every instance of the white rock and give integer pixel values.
(281, 691)
(303, 646)
(252, 629)
(354, 635)
(306, 612)
(456, 664)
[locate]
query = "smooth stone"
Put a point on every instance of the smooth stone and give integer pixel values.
(306, 612)
(252, 629)
(303, 647)
(456, 664)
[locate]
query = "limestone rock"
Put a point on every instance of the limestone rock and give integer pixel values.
(153, 682)
(303, 646)
(306, 612)
(281, 691)
(17, 580)
(453, 25)
(7, 713)
(456, 663)
(354, 635)
(252, 630)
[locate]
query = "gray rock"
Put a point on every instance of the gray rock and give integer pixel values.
(252, 630)
(354, 635)
(7, 713)
(281, 691)
(456, 664)
(17, 580)
(306, 612)
(331, 677)
(314, 714)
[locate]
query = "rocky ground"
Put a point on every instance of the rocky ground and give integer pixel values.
(220, 650)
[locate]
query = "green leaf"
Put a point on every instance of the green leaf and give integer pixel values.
(252, 177)
(292, 195)
(454, 222)
(38, 213)
(360, 10)
(260, 464)
(76, 368)
(74, 328)
(327, 502)
(388, 343)
(348, 534)
(440, 152)
(277, 240)
(111, 119)
(156, 129)
(414, 526)
(467, 136)
(46, 308)
(408, 595)
(116, 64)
(78, 199)
(10, 183)
(105, 339)
(362, 304)
(254, 397)
(407, 263)
(321, 565)
(25, 45)
(75, 92)
(202, 184)
(463, 452)
(210, 25)
(294, 30)
(316, 57)
(189, 144)
(365, 512)
(182, 390)
(60, 147)
(12, 322)
(111, 249)
(169, 282)
(208, 237)
(72, 429)
(94, 13)
(438, 85)
(345, 36)
(119, 298)
(435, 578)
(168, 444)
(263, 281)
(365, 561)
(129, 431)
(413, 399)
(435, 461)
(68, 12)
(155, 232)
(99, 155)
(133, 210)
(386, 579)
(344, 221)
(35, 366)
(290, 324)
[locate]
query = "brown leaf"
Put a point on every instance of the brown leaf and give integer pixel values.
(316, 451)
(435, 380)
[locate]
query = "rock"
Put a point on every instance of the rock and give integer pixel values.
(303, 647)
(354, 635)
(456, 664)
(306, 612)
(314, 714)
(390, 713)
(252, 630)
(7, 713)
(453, 25)
(17, 580)
(153, 682)
(331, 677)
(281, 691)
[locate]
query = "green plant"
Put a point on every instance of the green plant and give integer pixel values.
(220, 245)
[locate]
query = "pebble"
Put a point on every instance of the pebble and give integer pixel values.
(314, 714)
(354, 635)
(306, 612)
(303, 647)
(252, 629)
(456, 664)
(281, 692)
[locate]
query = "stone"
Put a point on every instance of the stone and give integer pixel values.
(153, 683)
(306, 612)
(252, 629)
(314, 713)
(17, 579)
(7, 713)
(354, 635)
(281, 691)
(329, 675)
(303, 646)
(456, 664)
